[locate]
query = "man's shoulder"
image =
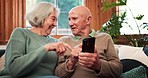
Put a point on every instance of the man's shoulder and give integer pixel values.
(101, 34)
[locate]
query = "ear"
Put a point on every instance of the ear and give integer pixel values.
(88, 19)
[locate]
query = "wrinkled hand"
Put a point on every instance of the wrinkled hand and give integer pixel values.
(59, 47)
(74, 56)
(89, 60)
(75, 53)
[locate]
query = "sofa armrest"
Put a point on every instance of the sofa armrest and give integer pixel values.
(2, 61)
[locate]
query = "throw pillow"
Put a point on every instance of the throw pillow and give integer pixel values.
(138, 72)
(145, 49)
(129, 64)
(136, 53)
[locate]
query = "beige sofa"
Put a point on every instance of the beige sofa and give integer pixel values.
(2, 61)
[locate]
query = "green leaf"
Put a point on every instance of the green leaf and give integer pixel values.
(108, 5)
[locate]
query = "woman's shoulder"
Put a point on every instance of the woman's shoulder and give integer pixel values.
(18, 32)
(19, 29)
(52, 38)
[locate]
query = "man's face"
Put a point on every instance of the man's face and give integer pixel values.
(77, 23)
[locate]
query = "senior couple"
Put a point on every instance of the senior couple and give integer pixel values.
(33, 53)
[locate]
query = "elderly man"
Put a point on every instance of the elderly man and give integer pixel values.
(103, 63)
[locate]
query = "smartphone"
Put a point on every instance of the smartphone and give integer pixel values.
(88, 44)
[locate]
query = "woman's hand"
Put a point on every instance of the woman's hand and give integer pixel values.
(59, 47)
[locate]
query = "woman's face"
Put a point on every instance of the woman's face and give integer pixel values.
(49, 23)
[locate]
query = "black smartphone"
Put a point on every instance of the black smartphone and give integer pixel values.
(88, 44)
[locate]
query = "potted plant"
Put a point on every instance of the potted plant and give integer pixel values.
(113, 26)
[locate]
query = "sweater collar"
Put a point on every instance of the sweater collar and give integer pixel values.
(92, 34)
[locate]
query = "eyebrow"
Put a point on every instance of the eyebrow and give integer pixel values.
(54, 17)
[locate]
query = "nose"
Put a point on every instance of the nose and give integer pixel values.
(70, 22)
(55, 23)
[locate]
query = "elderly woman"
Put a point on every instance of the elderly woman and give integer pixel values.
(32, 53)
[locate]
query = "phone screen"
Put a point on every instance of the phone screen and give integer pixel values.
(88, 44)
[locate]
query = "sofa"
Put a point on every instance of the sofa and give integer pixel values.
(134, 60)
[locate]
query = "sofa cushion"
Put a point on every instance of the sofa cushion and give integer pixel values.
(136, 53)
(132, 57)
(129, 64)
(2, 51)
(138, 72)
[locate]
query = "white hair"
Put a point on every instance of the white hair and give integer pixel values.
(38, 14)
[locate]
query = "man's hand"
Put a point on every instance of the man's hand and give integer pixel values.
(89, 60)
(74, 56)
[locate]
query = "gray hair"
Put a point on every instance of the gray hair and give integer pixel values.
(38, 14)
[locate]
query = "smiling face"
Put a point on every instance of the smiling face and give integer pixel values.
(79, 21)
(49, 23)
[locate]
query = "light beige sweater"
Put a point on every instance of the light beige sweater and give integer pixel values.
(111, 66)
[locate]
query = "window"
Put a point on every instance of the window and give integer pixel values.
(64, 6)
(135, 8)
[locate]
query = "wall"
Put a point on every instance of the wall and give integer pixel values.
(12, 14)
(99, 17)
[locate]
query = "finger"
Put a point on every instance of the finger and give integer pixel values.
(82, 58)
(95, 49)
(85, 63)
(81, 61)
(82, 64)
(61, 53)
(61, 48)
(57, 49)
(79, 45)
(85, 54)
(68, 46)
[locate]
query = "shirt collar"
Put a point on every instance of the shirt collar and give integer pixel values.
(92, 34)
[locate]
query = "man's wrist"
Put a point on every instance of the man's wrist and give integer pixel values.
(70, 65)
(98, 66)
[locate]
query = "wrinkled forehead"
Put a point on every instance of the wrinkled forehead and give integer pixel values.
(76, 13)
(73, 13)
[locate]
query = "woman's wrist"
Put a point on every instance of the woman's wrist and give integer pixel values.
(46, 48)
